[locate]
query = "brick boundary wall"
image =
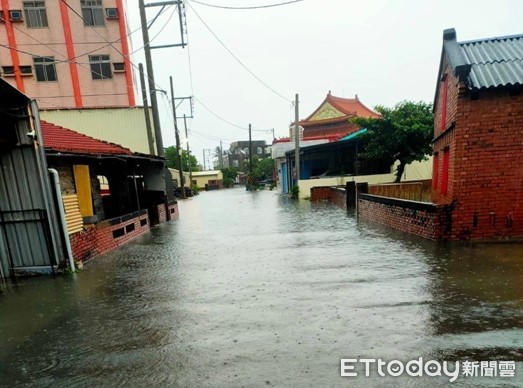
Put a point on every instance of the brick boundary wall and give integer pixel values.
(332, 194)
(420, 218)
(321, 193)
(108, 235)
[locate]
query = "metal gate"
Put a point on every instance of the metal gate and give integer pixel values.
(25, 235)
(26, 241)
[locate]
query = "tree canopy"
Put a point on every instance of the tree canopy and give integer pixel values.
(403, 133)
(262, 169)
(171, 159)
(229, 176)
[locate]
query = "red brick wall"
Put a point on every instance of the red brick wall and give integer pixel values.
(486, 163)
(100, 239)
(332, 194)
(422, 219)
(320, 193)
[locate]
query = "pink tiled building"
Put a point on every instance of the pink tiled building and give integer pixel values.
(68, 54)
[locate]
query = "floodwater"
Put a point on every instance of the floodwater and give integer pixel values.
(251, 289)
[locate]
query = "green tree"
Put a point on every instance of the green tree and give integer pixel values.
(403, 133)
(229, 176)
(171, 159)
(264, 169)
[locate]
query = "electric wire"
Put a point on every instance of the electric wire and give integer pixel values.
(247, 8)
(236, 58)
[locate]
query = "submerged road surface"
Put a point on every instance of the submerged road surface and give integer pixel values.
(250, 289)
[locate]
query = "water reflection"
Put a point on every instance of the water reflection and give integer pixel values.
(253, 289)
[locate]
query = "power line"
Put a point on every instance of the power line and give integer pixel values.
(244, 8)
(236, 58)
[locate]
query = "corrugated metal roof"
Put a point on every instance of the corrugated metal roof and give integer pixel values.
(279, 149)
(495, 62)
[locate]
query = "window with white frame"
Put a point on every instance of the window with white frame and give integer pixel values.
(92, 12)
(100, 66)
(35, 14)
(45, 69)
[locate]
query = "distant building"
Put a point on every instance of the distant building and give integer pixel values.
(239, 151)
(478, 136)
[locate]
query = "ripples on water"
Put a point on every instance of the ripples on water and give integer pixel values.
(253, 289)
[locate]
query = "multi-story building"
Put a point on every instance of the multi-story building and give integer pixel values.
(239, 152)
(67, 54)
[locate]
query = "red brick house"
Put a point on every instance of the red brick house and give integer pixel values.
(478, 136)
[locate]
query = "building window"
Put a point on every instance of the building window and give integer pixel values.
(259, 150)
(92, 13)
(100, 66)
(119, 67)
(9, 71)
(445, 173)
(45, 69)
(35, 15)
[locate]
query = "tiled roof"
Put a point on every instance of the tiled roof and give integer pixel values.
(495, 62)
(61, 139)
(351, 106)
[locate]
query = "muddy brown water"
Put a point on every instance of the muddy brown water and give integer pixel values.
(254, 290)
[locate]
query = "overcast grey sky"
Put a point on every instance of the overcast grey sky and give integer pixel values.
(382, 50)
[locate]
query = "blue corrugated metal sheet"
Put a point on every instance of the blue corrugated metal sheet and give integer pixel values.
(355, 134)
(495, 62)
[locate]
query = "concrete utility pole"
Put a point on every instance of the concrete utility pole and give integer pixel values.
(221, 155)
(189, 167)
(150, 138)
(204, 160)
(177, 134)
(297, 139)
(250, 150)
(152, 84)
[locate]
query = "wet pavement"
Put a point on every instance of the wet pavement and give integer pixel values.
(254, 290)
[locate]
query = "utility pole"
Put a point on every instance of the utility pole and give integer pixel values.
(250, 151)
(297, 139)
(204, 160)
(177, 133)
(150, 139)
(150, 74)
(221, 155)
(189, 167)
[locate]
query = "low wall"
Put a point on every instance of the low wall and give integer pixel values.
(108, 235)
(420, 218)
(335, 195)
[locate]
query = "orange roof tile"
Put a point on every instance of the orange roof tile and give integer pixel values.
(349, 106)
(62, 139)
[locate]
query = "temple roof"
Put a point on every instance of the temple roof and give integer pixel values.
(334, 109)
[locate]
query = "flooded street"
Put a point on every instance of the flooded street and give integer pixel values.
(254, 290)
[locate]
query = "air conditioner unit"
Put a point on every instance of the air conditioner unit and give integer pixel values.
(15, 15)
(111, 13)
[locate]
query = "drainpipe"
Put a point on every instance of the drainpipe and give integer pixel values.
(63, 222)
